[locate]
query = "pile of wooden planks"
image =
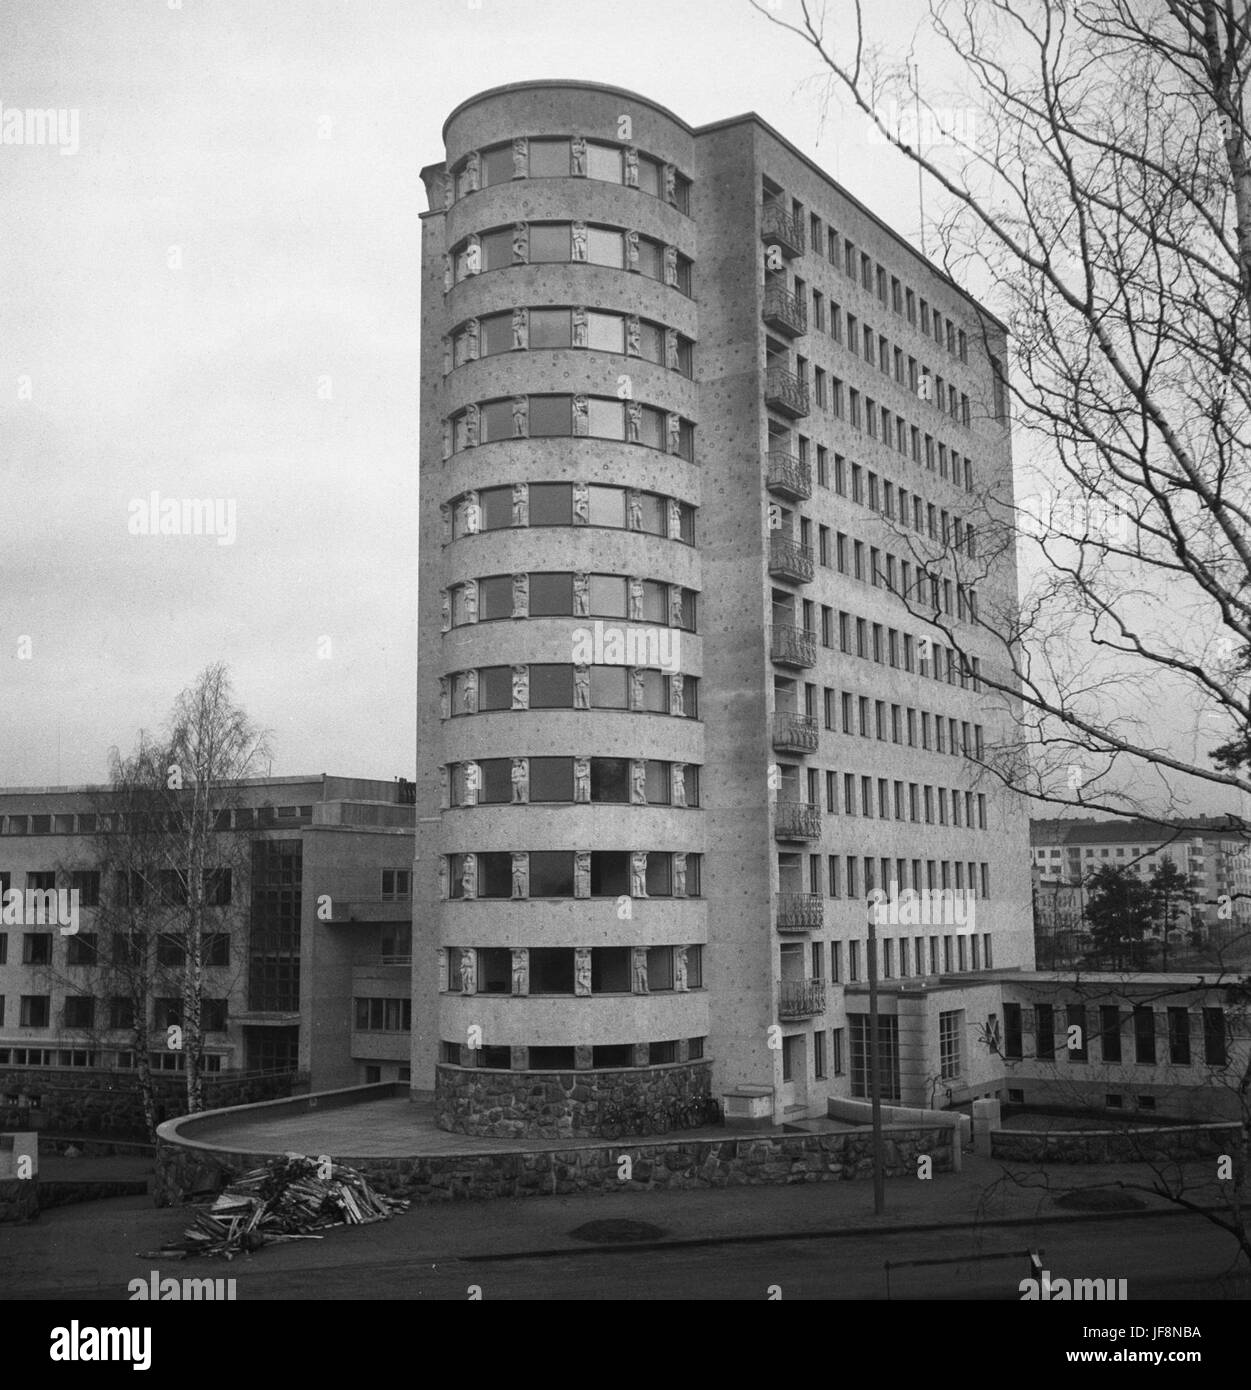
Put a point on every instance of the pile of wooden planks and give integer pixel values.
(290, 1198)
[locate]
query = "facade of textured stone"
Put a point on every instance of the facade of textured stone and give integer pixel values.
(675, 717)
(562, 1105)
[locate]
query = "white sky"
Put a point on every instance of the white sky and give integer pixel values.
(200, 127)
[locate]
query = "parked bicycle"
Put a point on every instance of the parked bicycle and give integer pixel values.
(621, 1121)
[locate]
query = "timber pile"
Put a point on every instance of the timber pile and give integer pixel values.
(288, 1199)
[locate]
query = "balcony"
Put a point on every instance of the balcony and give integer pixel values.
(793, 646)
(800, 911)
(371, 909)
(790, 561)
(794, 733)
(785, 312)
(785, 393)
(797, 820)
(788, 477)
(801, 998)
(787, 232)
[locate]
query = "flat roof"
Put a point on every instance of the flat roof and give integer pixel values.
(98, 787)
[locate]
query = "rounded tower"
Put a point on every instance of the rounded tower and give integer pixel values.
(560, 655)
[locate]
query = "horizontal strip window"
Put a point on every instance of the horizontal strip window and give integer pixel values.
(621, 781)
(571, 156)
(383, 1015)
(574, 970)
(568, 504)
(604, 1056)
(567, 243)
(577, 326)
(568, 595)
(559, 417)
(572, 874)
(641, 690)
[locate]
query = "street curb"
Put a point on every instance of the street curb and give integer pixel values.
(839, 1232)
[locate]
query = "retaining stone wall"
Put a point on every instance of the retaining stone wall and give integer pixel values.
(1132, 1145)
(556, 1105)
(659, 1165)
(19, 1200)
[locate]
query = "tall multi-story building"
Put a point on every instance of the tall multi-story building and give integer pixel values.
(1212, 851)
(306, 954)
(703, 442)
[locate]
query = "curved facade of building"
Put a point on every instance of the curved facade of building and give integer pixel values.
(613, 911)
(569, 656)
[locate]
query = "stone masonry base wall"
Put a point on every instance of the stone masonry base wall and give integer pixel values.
(657, 1165)
(559, 1105)
(19, 1200)
(1130, 1145)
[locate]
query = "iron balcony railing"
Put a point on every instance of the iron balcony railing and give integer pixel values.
(797, 820)
(788, 232)
(800, 911)
(785, 392)
(788, 476)
(800, 998)
(795, 733)
(793, 646)
(785, 311)
(788, 560)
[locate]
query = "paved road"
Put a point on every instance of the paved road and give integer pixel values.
(1174, 1258)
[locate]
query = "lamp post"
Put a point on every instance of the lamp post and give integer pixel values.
(875, 1070)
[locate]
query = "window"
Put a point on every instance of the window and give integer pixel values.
(1012, 1040)
(37, 948)
(87, 885)
(1076, 1033)
(213, 1015)
(1144, 1035)
(35, 1010)
(81, 949)
(218, 887)
(395, 886)
(80, 1011)
(1215, 1052)
(818, 1055)
(1045, 1032)
(950, 1028)
(888, 1055)
(374, 1015)
(1179, 1037)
